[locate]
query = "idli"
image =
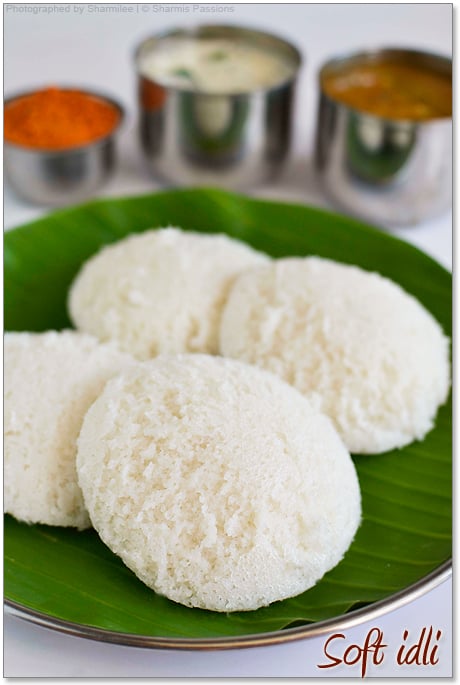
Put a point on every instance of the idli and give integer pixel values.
(368, 353)
(216, 482)
(50, 381)
(159, 291)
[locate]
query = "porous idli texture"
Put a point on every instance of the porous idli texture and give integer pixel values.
(365, 351)
(50, 381)
(216, 482)
(159, 291)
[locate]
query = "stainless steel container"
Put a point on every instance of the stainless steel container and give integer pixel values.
(393, 172)
(232, 140)
(61, 177)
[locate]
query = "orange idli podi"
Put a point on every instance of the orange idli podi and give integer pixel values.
(57, 119)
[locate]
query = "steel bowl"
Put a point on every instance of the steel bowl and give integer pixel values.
(393, 172)
(61, 177)
(232, 140)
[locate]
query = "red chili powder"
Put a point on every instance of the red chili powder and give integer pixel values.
(55, 119)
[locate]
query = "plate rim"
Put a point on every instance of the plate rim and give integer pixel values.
(349, 620)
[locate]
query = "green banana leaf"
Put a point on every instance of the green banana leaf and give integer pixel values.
(406, 528)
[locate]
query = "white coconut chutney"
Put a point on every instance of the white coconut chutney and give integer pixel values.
(215, 66)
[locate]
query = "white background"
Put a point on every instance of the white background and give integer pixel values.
(95, 49)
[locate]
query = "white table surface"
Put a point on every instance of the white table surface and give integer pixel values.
(94, 49)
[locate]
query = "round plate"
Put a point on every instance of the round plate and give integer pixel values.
(69, 581)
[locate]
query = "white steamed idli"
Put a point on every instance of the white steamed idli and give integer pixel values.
(159, 291)
(50, 381)
(216, 483)
(371, 357)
